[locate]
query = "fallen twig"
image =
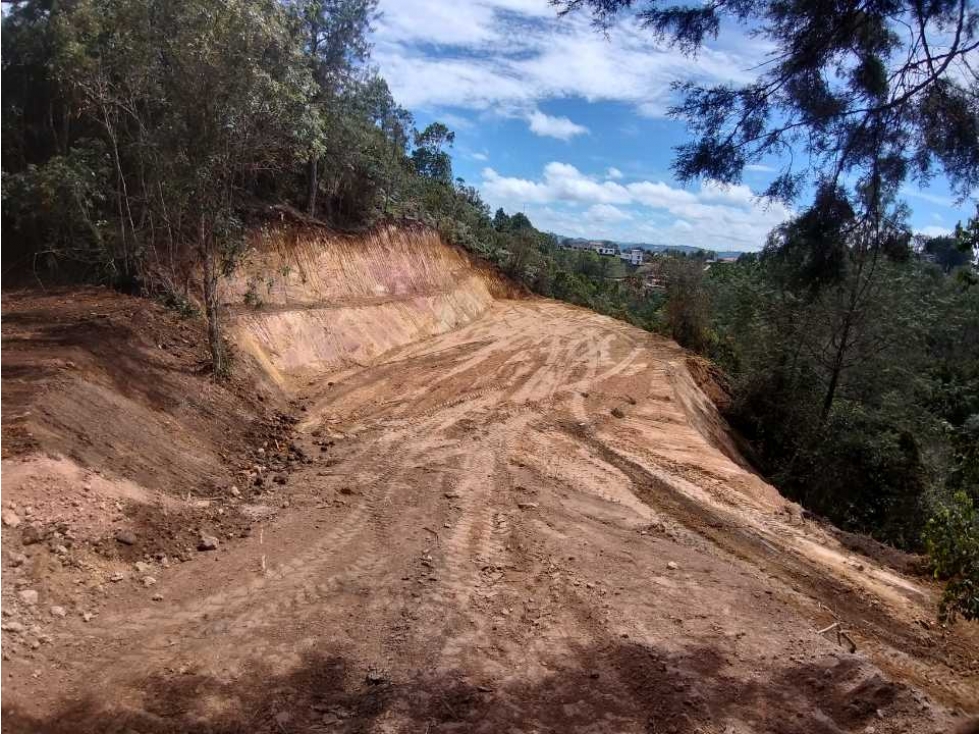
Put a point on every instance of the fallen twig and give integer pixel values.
(437, 543)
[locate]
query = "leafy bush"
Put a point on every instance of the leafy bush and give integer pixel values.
(952, 539)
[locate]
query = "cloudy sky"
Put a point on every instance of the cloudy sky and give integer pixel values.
(557, 120)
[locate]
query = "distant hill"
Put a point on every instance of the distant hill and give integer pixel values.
(650, 247)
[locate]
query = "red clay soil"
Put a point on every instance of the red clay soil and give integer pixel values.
(530, 523)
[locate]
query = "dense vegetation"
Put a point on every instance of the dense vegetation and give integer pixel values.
(142, 137)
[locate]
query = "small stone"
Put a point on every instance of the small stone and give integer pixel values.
(87, 616)
(673, 565)
(126, 537)
(149, 581)
(28, 596)
(17, 559)
(117, 577)
(376, 676)
(280, 479)
(452, 495)
(15, 627)
(157, 597)
(235, 492)
(142, 567)
(527, 505)
(57, 611)
(31, 535)
(346, 490)
(11, 519)
(282, 718)
(207, 543)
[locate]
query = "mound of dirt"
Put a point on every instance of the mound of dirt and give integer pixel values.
(117, 444)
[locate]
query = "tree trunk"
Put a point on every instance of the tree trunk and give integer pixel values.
(211, 305)
(312, 184)
(834, 379)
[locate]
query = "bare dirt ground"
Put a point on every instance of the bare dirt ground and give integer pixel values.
(532, 523)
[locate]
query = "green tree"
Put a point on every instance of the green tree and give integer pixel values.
(873, 90)
(430, 157)
(334, 34)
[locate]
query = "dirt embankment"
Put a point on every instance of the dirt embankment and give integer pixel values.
(308, 301)
(496, 515)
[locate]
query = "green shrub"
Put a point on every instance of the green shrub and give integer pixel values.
(952, 539)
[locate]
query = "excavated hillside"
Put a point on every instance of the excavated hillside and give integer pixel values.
(438, 506)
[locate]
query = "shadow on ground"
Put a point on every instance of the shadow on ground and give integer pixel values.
(624, 687)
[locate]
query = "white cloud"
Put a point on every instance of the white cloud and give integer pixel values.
(499, 54)
(554, 127)
(560, 182)
(712, 216)
(759, 168)
(660, 195)
(934, 231)
(925, 196)
(613, 173)
(480, 157)
(607, 213)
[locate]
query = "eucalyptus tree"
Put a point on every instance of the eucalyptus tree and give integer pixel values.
(335, 38)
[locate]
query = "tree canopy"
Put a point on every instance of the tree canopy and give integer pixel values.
(879, 90)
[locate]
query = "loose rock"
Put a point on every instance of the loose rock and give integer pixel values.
(28, 596)
(11, 519)
(31, 535)
(673, 565)
(207, 543)
(57, 611)
(126, 537)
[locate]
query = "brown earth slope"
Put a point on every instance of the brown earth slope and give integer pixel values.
(522, 517)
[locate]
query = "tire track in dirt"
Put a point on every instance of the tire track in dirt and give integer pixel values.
(872, 622)
(471, 593)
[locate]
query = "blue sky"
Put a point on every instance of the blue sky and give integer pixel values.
(554, 119)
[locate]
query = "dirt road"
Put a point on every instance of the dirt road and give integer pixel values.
(527, 524)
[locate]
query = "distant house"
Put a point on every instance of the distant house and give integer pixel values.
(634, 256)
(603, 248)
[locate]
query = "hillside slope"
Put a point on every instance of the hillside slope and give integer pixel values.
(515, 516)
(308, 300)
